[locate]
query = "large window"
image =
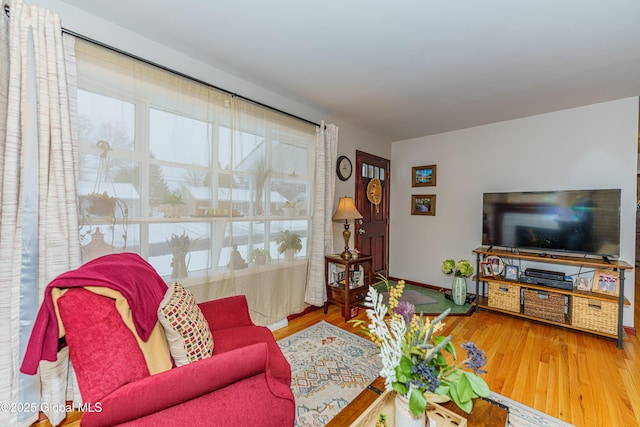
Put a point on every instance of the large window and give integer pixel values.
(182, 158)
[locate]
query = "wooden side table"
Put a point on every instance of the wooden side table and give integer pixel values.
(344, 294)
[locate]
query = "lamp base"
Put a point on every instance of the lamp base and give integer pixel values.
(346, 234)
(346, 255)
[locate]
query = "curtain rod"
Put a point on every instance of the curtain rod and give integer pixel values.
(130, 55)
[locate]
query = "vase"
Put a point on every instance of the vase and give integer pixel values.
(289, 211)
(403, 415)
(289, 254)
(459, 290)
(179, 265)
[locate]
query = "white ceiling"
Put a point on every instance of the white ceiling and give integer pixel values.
(406, 68)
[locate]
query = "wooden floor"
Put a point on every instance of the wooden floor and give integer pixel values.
(579, 378)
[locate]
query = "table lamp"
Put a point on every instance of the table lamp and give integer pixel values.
(346, 211)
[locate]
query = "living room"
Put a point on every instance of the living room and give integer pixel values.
(588, 145)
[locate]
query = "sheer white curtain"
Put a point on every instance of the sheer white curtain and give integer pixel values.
(233, 163)
(38, 214)
(322, 234)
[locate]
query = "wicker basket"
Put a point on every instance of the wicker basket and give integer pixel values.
(544, 305)
(597, 315)
(505, 296)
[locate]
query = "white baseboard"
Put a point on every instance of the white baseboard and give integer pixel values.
(279, 324)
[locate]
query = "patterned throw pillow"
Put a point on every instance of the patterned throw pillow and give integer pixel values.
(184, 324)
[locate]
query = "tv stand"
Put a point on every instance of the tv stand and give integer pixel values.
(584, 303)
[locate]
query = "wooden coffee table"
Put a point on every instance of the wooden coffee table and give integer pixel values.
(484, 414)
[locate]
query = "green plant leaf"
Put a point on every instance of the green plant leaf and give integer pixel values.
(417, 402)
(403, 374)
(465, 406)
(464, 390)
(400, 388)
(440, 360)
(453, 375)
(478, 385)
(442, 390)
(405, 365)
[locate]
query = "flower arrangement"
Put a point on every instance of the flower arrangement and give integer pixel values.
(179, 244)
(462, 268)
(415, 361)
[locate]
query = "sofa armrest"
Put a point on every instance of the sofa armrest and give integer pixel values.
(178, 385)
(224, 313)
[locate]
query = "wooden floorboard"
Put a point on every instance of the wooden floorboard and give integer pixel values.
(579, 378)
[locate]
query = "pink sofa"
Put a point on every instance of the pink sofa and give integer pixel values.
(245, 383)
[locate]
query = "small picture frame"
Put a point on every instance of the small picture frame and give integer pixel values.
(497, 265)
(423, 204)
(583, 284)
(423, 176)
(511, 272)
(606, 282)
(487, 269)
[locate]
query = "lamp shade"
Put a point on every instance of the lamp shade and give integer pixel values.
(346, 210)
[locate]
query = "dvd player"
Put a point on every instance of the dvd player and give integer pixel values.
(544, 274)
(553, 283)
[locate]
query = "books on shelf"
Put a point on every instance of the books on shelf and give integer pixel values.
(356, 278)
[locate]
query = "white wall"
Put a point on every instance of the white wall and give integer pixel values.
(582, 148)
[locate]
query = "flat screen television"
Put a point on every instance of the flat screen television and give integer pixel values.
(580, 221)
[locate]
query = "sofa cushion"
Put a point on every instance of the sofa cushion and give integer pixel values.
(187, 330)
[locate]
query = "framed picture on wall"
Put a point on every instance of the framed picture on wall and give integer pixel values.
(423, 204)
(423, 176)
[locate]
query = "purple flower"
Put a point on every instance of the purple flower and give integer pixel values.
(427, 374)
(406, 310)
(476, 359)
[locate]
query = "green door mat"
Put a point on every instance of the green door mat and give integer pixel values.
(428, 301)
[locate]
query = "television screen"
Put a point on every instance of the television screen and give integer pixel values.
(582, 221)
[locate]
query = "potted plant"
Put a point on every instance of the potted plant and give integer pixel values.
(171, 203)
(179, 245)
(289, 243)
(261, 176)
(258, 256)
(460, 270)
(101, 204)
(291, 207)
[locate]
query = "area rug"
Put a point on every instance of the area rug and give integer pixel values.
(524, 416)
(414, 297)
(436, 304)
(329, 368)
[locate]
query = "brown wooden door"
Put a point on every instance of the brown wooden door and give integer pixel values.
(372, 232)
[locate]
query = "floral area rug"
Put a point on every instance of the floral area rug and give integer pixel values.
(524, 416)
(329, 368)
